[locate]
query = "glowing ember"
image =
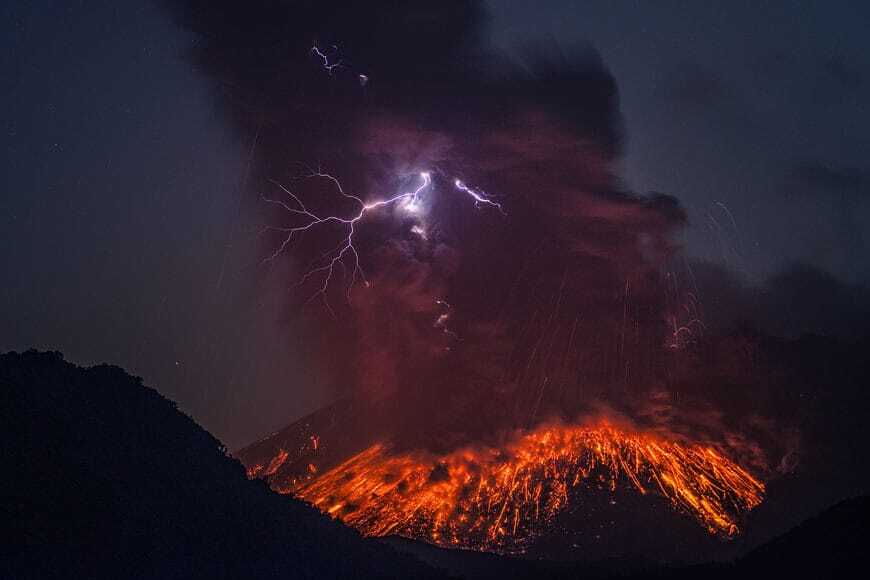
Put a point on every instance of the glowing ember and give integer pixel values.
(489, 498)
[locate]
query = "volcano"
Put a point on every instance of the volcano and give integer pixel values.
(507, 498)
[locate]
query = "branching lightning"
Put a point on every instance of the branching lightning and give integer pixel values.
(410, 202)
(479, 197)
(329, 66)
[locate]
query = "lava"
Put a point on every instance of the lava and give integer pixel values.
(500, 498)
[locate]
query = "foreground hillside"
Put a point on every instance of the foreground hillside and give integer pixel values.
(111, 480)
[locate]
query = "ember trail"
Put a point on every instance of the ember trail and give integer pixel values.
(499, 499)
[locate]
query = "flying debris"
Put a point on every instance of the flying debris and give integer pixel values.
(500, 499)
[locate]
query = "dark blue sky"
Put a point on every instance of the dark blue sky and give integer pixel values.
(760, 106)
(121, 237)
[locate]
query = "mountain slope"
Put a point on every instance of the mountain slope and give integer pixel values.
(111, 480)
(831, 542)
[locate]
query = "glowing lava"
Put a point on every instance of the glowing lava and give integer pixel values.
(488, 498)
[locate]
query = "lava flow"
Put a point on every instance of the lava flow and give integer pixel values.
(499, 499)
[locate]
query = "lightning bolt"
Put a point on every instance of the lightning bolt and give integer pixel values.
(478, 196)
(442, 320)
(329, 66)
(410, 201)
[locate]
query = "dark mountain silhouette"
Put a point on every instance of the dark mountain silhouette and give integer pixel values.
(114, 481)
(830, 543)
(827, 545)
(109, 479)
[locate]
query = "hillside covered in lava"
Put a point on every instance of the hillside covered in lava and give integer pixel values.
(609, 509)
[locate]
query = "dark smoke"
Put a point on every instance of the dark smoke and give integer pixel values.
(559, 309)
(554, 305)
(800, 300)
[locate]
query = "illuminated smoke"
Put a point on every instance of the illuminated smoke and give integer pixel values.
(410, 202)
(558, 297)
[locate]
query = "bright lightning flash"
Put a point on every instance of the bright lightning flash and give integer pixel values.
(329, 66)
(479, 197)
(410, 202)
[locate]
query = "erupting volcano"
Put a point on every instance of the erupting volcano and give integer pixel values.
(468, 267)
(500, 498)
(520, 290)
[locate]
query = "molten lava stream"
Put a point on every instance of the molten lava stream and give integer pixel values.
(489, 498)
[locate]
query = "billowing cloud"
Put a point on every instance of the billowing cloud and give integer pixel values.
(475, 320)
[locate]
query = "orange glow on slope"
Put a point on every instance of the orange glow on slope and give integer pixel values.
(487, 498)
(273, 467)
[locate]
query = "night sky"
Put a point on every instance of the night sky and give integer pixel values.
(125, 239)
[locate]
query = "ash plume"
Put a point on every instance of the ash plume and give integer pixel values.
(473, 323)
